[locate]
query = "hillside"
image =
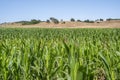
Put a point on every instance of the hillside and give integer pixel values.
(104, 24)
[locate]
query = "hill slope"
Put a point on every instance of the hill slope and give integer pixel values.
(104, 24)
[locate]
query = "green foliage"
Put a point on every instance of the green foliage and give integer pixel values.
(72, 20)
(101, 19)
(109, 19)
(47, 21)
(78, 20)
(33, 21)
(59, 54)
(54, 20)
(88, 21)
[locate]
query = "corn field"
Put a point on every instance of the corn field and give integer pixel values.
(59, 54)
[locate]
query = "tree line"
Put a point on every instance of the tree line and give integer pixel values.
(56, 21)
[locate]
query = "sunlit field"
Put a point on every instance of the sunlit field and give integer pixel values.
(59, 54)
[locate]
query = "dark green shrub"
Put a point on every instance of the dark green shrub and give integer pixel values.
(88, 21)
(72, 20)
(108, 19)
(33, 21)
(47, 21)
(101, 20)
(25, 22)
(54, 20)
(78, 20)
(63, 22)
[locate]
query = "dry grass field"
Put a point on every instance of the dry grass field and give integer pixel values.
(104, 24)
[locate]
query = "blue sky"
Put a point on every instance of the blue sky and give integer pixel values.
(17, 10)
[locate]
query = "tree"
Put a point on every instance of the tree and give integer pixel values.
(88, 21)
(34, 21)
(72, 20)
(78, 20)
(101, 20)
(25, 22)
(108, 19)
(48, 21)
(54, 20)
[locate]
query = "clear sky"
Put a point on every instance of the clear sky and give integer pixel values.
(17, 10)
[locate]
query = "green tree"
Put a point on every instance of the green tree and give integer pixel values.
(72, 20)
(88, 21)
(34, 21)
(101, 20)
(47, 21)
(54, 20)
(78, 20)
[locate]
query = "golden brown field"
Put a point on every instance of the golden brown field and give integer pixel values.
(104, 24)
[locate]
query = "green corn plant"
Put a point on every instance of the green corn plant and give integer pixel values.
(59, 54)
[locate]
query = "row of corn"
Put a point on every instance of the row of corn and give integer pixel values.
(59, 54)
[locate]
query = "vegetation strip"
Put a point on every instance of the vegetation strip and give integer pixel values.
(59, 54)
